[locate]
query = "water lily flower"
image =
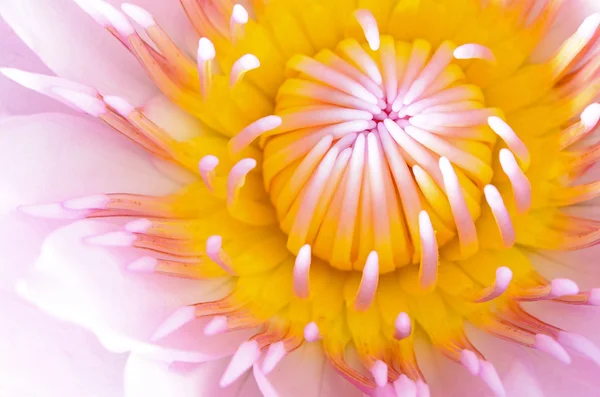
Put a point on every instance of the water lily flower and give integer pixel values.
(315, 198)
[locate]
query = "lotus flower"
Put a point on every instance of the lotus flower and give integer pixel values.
(327, 198)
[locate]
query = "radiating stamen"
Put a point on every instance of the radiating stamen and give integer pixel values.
(311, 332)
(580, 344)
(112, 239)
(216, 326)
(175, 321)
(470, 361)
(206, 55)
(503, 278)
(108, 16)
(501, 215)
(405, 387)
(239, 17)
(514, 143)
(96, 201)
(302, 273)
(563, 287)
(206, 167)
(474, 51)
(465, 225)
(253, 131)
(520, 184)
(488, 374)
(403, 326)
(216, 254)
(243, 359)
(549, 345)
(422, 389)
(379, 370)
(81, 100)
(237, 178)
(429, 252)
(275, 354)
(435, 66)
(368, 284)
(240, 67)
(368, 23)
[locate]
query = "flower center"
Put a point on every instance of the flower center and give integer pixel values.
(356, 157)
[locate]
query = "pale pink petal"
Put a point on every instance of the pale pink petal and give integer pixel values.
(305, 373)
(14, 98)
(569, 18)
(42, 356)
(74, 46)
(52, 157)
(90, 286)
(150, 378)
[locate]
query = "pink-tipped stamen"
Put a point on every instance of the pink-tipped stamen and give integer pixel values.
(239, 18)
(274, 355)
(403, 326)
(563, 287)
(405, 387)
(311, 332)
(514, 143)
(245, 137)
(422, 389)
(368, 284)
(175, 321)
(112, 239)
(520, 184)
(429, 252)
(138, 14)
(237, 178)
(205, 56)
(138, 226)
(440, 60)
(302, 273)
(216, 326)
(121, 105)
(581, 345)
(243, 359)
(145, 264)
(368, 23)
(108, 16)
(81, 100)
(240, 67)
(475, 51)
(503, 278)
(465, 226)
(549, 345)
(379, 370)
(206, 168)
(96, 201)
(470, 361)
(591, 116)
(501, 215)
(216, 254)
(490, 377)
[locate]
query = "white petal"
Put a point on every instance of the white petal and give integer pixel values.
(14, 98)
(53, 157)
(89, 286)
(149, 378)
(42, 356)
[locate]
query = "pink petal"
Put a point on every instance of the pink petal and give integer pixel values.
(88, 285)
(304, 373)
(14, 98)
(42, 356)
(51, 157)
(74, 46)
(569, 18)
(149, 378)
